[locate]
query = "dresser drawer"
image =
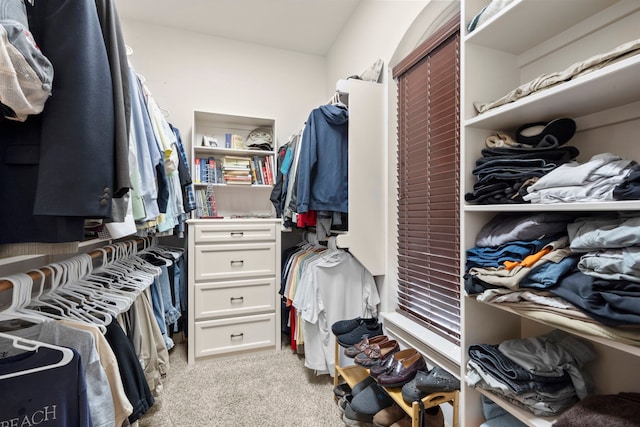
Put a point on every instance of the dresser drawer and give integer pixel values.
(240, 297)
(226, 233)
(214, 262)
(215, 337)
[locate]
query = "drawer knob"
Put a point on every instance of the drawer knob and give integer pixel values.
(237, 263)
(234, 299)
(234, 336)
(237, 234)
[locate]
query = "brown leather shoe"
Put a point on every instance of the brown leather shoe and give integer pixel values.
(403, 372)
(375, 352)
(389, 362)
(354, 350)
(388, 415)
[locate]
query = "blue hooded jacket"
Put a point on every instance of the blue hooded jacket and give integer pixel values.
(323, 166)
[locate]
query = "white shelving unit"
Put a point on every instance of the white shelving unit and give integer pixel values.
(233, 200)
(526, 39)
(234, 259)
(367, 176)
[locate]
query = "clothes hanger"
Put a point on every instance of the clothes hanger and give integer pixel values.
(77, 305)
(32, 345)
(12, 313)
(35, 306)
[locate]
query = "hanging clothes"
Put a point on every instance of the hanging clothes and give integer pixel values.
(333, 287)
(119, 70)
(66, 404)
(323, 178)
(98, 391)
(53, 155)
(321, 285)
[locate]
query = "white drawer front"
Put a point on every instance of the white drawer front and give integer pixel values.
(213, 262)
(213, 337)
(214, 233)
(240, 297)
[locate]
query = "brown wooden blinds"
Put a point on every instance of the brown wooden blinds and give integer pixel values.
(428, 183)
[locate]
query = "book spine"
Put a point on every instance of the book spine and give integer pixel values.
(196, 170)
(254, 177)
(212, 173)
(227, 140)
(267, 160)
(203, 170)
(256, 171)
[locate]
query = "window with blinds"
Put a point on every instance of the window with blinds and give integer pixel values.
(428, 183)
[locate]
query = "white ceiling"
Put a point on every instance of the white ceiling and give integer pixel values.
(308, 26)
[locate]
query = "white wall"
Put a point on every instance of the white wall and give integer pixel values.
(374, 31)
(188, 71)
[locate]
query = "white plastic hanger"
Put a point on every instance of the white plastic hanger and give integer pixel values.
(31, 345)
(17, 302)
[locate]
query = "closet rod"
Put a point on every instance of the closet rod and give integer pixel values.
(96, 256)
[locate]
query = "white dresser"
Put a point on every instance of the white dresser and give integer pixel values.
(234, 279)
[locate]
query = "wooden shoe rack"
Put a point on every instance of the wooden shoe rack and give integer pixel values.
(353, 374)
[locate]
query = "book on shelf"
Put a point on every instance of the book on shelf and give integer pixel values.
(234, 182)
(267, 160)
(231, 161)
(233, 141)
(254, 176)
(239, 178)
(258, 170)
(196, 170)
(212, 171)
(204, 170)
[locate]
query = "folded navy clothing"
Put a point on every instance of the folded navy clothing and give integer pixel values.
(474, 286)
(610, 302)
(557, 156)
(630, 188)
(512, 174)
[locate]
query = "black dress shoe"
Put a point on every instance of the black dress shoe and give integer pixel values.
(403, 372)
(437, 379)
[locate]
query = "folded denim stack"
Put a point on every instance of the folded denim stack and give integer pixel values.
(351, 331)
(541, 374)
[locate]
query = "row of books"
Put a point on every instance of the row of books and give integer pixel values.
(205, 204)
(233, 170)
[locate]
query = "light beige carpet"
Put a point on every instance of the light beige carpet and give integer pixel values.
(255, 390)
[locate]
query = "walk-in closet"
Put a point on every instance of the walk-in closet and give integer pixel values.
(364, 213)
